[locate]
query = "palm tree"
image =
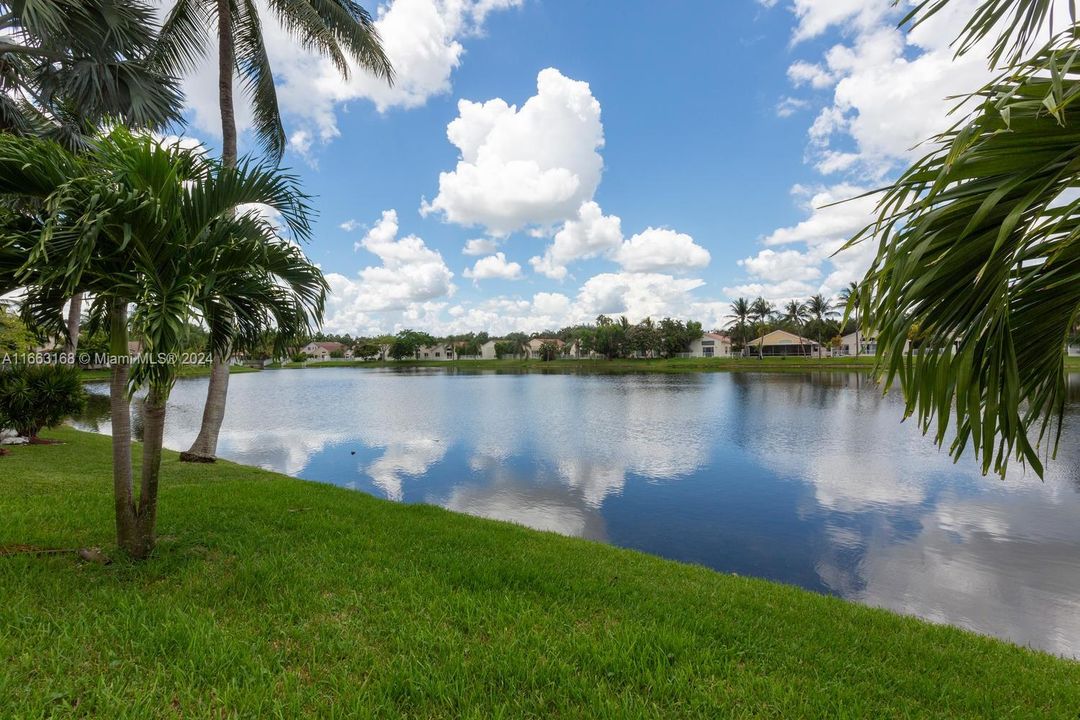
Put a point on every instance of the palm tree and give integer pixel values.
(796, 313)
(153, 230)
(821, 309)
(336, 29)
(849, 296)
(68, 65)
(979, 248)
(761, 310)
(740, 319)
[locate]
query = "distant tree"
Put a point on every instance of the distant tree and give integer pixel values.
(366, 349)
(644, 338)
(14, 337)
(761, 310)
(548, 351)
(822, 310)
(407, 344)
(849, 296)
(506, 348)
(739, 326)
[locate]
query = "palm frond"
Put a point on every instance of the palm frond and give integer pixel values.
(978, 255)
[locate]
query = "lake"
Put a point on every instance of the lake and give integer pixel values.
(809, 478)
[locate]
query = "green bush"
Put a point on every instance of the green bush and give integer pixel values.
(33, 397)
(299, 358)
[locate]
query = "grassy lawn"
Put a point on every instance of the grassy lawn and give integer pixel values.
(186, 371)
(271, 597)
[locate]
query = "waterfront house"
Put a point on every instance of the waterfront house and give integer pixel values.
(324, 350)
(711, 344)
(532, 348)
(441, 351)
(487, 350)
(781, 343)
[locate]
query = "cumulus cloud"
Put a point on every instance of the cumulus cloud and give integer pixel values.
(494, 266)
(350, 225)
(422, 38)
(660, 249)
(411, 275)
(636, 295)
(588, 235)
(527, 166)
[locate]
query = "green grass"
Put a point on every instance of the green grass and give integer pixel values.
(270, 597)
(185, 371)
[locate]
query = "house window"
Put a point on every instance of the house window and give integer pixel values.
(706, 343)
(708, 351)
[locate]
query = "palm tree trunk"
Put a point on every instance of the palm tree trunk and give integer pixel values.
(73, 320)
(123, 491)
(153, 433)
(205, 446)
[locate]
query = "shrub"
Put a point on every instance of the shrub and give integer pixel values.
(33, 397)
(548, 351)
(299, 358)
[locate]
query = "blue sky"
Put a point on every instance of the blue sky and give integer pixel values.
(676, 156)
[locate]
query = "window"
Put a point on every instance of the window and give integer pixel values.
(708, 352)
(707, 343)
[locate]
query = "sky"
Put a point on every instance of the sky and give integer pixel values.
(540, 162)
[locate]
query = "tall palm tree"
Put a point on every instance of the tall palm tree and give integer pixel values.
(795, 312)
(152, 235)
(336, 29)
(821, 310)
(761, 310)
(67, 66)
(739, 312)
(849, 296)
(979, 248)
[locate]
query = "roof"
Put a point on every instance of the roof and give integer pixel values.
(331, 346)
(717, 336)
(781, 337)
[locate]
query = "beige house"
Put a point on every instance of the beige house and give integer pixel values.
(487, 350)
(435, 352)
(856, 344)
(320, 351)
(711, 345)
(781, 343)
(532, 348)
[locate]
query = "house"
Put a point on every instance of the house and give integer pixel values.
(487, 350)
(324, 350)
(532, 348)
(435, 352)
(575, 351)
(1073, 350)
(781, 343)
(711, 344)
(864, 344)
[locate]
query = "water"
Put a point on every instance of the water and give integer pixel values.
(809, 479)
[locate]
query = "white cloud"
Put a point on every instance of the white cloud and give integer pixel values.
(494, 266)
(588, 235)
(350, 225)
(805, 73)
(422, 38)
(636, 295)
(776, 267)
(480, 246)
(520, 167)
(790, 105)
(660, 249)
(411, 276)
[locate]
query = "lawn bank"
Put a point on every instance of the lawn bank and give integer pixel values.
(273, 597)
